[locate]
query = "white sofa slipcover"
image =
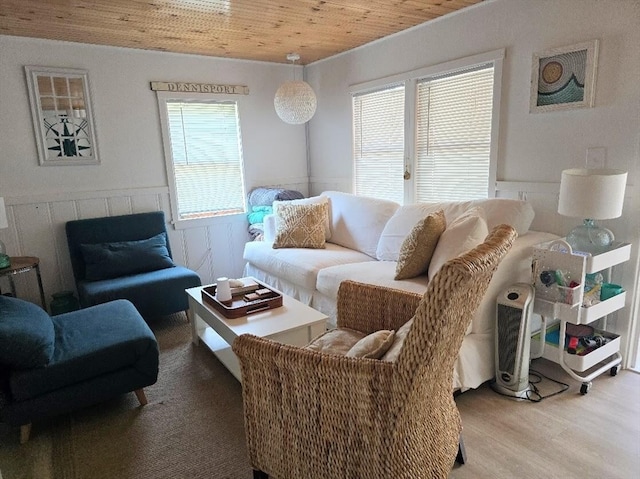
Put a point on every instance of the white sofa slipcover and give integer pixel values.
(364, 244)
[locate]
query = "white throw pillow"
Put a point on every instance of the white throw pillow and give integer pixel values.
(497, 211)
(517, 213)
(465, 233)
(358, 221)
(309, 201)
(399, 226)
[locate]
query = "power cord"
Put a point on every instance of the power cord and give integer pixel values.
(534, 389)
(533, 394)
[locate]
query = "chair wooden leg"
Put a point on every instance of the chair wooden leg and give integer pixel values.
(260, 475)
(25, 431)
(141, 396)
(461, 458)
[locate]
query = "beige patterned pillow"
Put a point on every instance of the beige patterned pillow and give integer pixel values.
(300, 226)
(419, 245)
(373, 346)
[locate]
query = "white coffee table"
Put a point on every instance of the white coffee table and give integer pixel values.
(293, 323)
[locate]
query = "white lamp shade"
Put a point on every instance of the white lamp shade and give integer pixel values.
(295, 102)
(3, 215)
(596, 194)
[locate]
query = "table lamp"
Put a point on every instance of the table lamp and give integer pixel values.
(593, 194)
(5, 262)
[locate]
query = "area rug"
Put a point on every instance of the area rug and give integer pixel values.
(192, 426)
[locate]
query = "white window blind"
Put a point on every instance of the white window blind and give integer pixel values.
(206, 150)
(453, 136)
(378, 135)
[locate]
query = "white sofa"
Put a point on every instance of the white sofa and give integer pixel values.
(364, 237)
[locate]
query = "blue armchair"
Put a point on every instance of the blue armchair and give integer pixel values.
(55, 365)
(128, 257)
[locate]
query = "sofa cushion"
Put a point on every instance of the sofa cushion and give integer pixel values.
(380, 273)
(336, 341)
(465, 233)
(372, 346)
(358, 221)
(300, 266)
(516, 213)
(123, 258)
(309, 201)
(300, 226)
(418, 247)
(154, 293)
(89, 343)
(26, 334)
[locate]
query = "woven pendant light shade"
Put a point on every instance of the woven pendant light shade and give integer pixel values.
(295, 101)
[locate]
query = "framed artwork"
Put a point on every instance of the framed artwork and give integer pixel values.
(62, 116)
(564, 78)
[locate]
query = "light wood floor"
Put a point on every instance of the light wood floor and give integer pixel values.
(570, 435)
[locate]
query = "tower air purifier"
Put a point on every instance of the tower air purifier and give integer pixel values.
(513, 339)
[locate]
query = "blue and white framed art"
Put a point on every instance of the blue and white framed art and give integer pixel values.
(564, 78)
(62, 116)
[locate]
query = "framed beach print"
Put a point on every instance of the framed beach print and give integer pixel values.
(62, 116)
(564, 78)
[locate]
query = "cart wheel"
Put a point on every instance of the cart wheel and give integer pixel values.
(584, 389)
(614, 371)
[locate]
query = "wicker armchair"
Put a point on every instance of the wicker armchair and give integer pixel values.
(309, 414)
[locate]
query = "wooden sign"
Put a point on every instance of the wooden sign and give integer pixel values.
(199, 88)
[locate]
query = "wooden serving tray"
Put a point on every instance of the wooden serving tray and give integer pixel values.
(238, 307)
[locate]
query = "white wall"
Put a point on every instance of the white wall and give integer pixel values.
(132, 176)
(533, 148)
(126, 116)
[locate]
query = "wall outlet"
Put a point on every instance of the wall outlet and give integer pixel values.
(596, 157)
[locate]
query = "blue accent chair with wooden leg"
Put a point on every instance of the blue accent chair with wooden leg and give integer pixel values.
(54, 365)
(128, 257)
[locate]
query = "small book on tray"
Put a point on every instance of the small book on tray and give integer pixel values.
(248, 286)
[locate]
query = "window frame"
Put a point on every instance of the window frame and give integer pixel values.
(163, 97)
(410, 80)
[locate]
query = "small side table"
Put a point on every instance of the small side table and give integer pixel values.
(23, 264)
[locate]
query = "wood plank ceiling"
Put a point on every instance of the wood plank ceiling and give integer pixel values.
(263, 30)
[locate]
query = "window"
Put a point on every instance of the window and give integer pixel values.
(203, 150)
(378, 132)
(429, 135)
(453, 136)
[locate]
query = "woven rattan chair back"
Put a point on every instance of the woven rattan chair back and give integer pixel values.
(309, 414)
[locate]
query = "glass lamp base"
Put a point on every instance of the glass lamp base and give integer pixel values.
(590, 238)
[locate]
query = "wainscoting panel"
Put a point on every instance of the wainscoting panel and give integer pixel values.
(37, 228)
(61, 212)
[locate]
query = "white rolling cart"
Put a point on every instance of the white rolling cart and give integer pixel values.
(559, 278)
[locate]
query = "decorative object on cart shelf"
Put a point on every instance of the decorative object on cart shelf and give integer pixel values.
(561, 285)
(223, 290)
(558, 277)
(594, 194)
(5, 261)
(574, 333)
(609, 290)
(564, 78)
(592, 289)
(513, 338)
(295, 101)
(63, 302)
